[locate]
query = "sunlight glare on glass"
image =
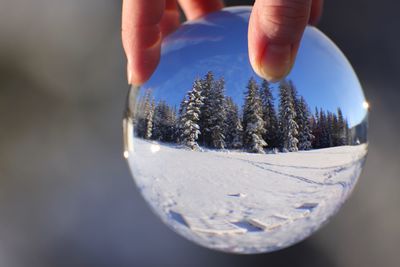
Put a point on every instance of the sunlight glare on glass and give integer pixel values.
(366, 105)
(154, 148)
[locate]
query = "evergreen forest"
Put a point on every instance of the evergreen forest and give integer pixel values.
(208, 118)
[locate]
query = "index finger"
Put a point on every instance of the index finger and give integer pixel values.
(141, 37)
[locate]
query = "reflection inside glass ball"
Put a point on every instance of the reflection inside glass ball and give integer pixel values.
(233, 162)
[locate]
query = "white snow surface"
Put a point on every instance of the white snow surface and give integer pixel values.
(242, 202)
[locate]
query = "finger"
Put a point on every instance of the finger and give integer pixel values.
(316, 11)
(275, 31)
(194, 9)
(141, 37)
(170, 20)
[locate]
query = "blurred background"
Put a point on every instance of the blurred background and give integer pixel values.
(66, 195)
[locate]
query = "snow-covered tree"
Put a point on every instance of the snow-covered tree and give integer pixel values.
(341, 129)
(190, 118)
(287, 114)
(149, 121)
(295, 99)
(316, 143)
(172, 124)
(164, 122)
(349, 139)
(179, 121)
(303, 118)
(158, 127)
(144, 118)
(207, 84)
(336, 130)
(324, 124)
(218, 115)
(253, 123)
(234, 129)
(330, 128)
(270, 118)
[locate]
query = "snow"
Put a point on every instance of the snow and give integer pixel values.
(242, 202)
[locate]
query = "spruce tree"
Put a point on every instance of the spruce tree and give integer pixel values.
(341, 128)
(172, 124)
(144, 118)
(190, 118)
(287, 114)
(180, 120)
(234, 129)
(140, 123)
(218, 115)
(237, 140)
(164, 122)
(253, 124)
(316, 131)
(158, 121)
(271, 135)
(330, 128)
(349, 138)
(149, 121)
(336, 130)
(207, 84)
(303, 118)
(324, 128)
(296, 100)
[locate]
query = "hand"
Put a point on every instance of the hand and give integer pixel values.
(275, 31)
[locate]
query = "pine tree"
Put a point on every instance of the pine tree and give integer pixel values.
(303, 118)
(234, 129)
(341, 129)
(271, 135)
(237, 140)
(218, 115)
(157, 122)
(190, 118)
(144, 123)
(330, 128)
(207, 84)
(316, 131)
(324, 128)
(253, 123)
(164, 122)
(349, 138)
(172, 122)
(296, 100)
(149, 121)
(336, 130)
(180, 120)
(160, 126)
(140, 125)
(287, 114)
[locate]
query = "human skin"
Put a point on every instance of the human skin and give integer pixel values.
(275, 31)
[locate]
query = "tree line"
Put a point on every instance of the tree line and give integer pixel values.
(206, 117)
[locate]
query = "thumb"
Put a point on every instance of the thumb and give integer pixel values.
(275, 31)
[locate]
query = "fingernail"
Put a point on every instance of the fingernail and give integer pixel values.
(277, 62)
(129, 73)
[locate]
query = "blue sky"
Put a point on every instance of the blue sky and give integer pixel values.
(322, 74)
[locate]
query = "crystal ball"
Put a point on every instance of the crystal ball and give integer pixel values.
(233, 162)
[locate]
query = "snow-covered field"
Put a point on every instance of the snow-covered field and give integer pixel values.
(242, 202)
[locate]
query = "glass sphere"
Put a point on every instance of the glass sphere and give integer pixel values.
(235, 163)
